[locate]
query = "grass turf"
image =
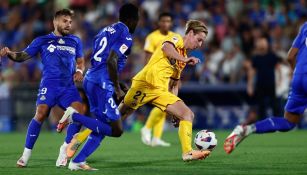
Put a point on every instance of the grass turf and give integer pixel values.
(278, 153)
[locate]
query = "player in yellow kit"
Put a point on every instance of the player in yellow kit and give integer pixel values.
(151, 84)
(156, 117)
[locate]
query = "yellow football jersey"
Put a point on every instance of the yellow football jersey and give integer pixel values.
(155, 39)
(160, 68)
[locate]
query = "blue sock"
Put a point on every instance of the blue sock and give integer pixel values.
(34, 129)
(93, 124)
(72, 129)
(90, 146)
(273, 124)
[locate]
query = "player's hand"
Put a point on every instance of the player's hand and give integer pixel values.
(78, 76)
(192, 61)
(120, 94)
(4, 51)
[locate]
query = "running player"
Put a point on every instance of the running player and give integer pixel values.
(62, 60)
(156, 117)
(112, 45)
(296, 104)
(151, 85)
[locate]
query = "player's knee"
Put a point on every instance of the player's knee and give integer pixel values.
(188, 115)
(40, 116)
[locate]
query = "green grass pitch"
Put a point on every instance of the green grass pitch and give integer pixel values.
(278, 153)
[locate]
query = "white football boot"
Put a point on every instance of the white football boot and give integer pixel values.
(23, 160)
(237, 136)
(62, 158)
(159, 142)
(146, 136)
(80, 166)
(66, 119)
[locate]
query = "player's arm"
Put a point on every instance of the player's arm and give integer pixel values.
(14, 56)
(174, 86)
(170, 51)
(112, 70)
(251, 72)
(292, 57)
(78, 76)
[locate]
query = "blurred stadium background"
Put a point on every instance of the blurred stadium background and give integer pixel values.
(215, 89)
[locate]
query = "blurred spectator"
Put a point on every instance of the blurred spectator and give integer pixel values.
(261, 85)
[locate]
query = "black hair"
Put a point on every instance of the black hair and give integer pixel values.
(128, 11)
(165, 14)
(64, 12)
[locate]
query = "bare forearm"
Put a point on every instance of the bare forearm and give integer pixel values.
(18, 56)
(169, 50)
(80, 64)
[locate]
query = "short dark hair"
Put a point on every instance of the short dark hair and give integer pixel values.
(128, 11)
(165, 14)
(64, 12)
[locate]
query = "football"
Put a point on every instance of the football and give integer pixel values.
(205, 140)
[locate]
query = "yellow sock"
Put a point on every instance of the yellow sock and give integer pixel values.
(158, 127)
(185, 135)
(153, 118)
(83, 135)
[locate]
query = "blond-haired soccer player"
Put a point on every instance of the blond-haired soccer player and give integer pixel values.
(156, 119)
(151, 85)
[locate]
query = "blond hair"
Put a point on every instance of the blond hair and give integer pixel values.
(196, 26)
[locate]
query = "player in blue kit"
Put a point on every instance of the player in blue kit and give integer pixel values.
(112, 45)
(62, 60)
(297, 100)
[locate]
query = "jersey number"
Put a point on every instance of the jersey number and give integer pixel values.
(102, 44)
(137, 94)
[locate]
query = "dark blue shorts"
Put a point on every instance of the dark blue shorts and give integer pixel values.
(62, 96)
(297, 100)
(101, 102)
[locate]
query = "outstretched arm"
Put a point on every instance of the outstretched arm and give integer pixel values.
(113, 73)
(15, 56)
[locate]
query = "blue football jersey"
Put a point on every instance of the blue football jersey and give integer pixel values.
(300, 42)
(58, 54)
(115, 37)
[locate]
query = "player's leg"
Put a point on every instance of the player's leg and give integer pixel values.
(186, 116)
(295, 107)
(158, 130)
(151, 121)
(42, 112)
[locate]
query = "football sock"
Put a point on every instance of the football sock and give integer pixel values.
(153, 118)
(273, 124)
(81, 137)
(95, 125)
(158, 127)
(32, 133)
(72, 129)
(90, 146)
(185, 135)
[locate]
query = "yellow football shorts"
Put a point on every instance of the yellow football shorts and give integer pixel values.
(141, 93)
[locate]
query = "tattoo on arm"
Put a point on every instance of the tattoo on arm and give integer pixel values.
(19, 56)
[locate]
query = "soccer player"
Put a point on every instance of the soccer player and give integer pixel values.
(151, 85)
(296, 104)
(112, 45)
(156, 117)
(62, 60)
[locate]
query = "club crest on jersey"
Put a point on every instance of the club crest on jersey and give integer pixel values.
(51, 48)
(42, 98)
(61, 41)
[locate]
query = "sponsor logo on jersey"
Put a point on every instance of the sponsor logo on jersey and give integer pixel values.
(51, 48)
(123, 48)
(129, 38)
